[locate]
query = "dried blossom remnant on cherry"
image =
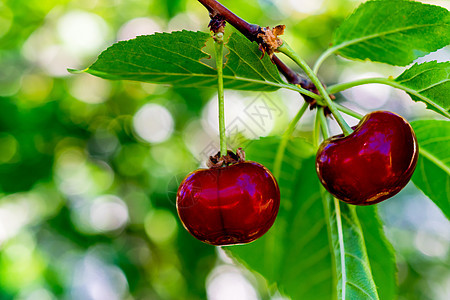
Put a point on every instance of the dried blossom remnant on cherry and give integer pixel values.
(218, 160)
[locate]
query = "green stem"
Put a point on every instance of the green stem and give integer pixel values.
(341, 246)
(316, 132)
(346, 85)
(348, 111)
(298, 88)
(322, 58)
(387, 81)
(287, 50)
(323, 123)
(218, 43)
(285, 139)
(328, 201)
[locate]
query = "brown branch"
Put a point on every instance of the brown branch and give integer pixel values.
(215, 8)
(251, 32)
(291, 76)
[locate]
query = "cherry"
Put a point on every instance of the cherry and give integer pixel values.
(235, 204)
(373, 163)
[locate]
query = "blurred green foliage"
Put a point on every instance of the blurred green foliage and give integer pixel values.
(86, 203)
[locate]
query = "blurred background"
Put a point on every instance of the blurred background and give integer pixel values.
(89, 168)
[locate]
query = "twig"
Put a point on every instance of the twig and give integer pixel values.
(251, 32)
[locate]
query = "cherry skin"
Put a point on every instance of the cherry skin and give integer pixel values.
(373, 163)
(229, 205)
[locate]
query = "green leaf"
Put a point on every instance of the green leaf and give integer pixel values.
(294, 254)
(380, 252)
(432, 174)
(244, 62)
(430, 83)
(352, 262)
(174, 58)
(393, 32)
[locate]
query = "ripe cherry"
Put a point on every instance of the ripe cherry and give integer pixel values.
(235, 204)
(373, 163)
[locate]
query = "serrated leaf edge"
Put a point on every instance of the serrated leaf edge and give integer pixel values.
(338, 47)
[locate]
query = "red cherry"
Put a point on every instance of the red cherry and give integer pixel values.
(231, 205)
(373, 163)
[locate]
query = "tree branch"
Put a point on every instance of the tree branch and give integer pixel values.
(251, 32)
(215, 8)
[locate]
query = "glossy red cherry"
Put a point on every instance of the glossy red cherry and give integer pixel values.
(373, 163)
(235, 204)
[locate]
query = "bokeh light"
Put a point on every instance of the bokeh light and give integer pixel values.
(108, 213)
(96, 280)
(82, 32)
(224, 277)
(8, 147)
(6, 17)
(153, 123)
(307, 7)
(160, 226)
(136, 27)
(369, 96)
(90, 89)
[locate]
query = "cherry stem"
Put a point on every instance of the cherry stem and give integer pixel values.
(349, 111)
(346, 85)
(322, 58)
(316, 132)
(323, 123)
(218, 45)
(285, 139)
(387, 81)
(320, 126)
(287, 50)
